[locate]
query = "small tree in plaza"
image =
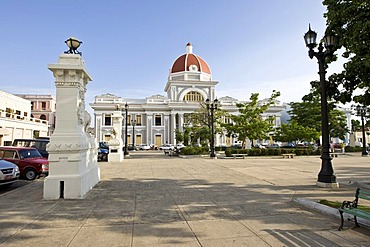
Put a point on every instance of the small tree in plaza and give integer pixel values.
(249, 123)
(179, 136)
(308, 114)
(293, 132)
(199, 123)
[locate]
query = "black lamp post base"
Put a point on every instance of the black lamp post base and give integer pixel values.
(365, 153)
(327, 185)
(327, 181)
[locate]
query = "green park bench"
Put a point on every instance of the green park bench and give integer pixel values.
(351, 207)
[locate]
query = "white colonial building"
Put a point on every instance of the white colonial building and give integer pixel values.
(16, 120)
(156, 118)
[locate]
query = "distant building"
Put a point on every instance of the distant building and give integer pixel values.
(356, 137)
(157, 117)
(42, 107)
(16, 120)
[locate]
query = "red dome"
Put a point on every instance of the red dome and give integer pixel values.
(187, 61)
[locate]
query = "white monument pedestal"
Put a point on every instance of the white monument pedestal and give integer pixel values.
(73, 167)
(115, 151)
(116, 144)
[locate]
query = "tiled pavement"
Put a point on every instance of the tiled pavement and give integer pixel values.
(151, 199)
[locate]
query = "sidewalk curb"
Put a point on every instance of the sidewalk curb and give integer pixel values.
(327, 210)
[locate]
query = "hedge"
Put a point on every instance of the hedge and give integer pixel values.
(273, 151)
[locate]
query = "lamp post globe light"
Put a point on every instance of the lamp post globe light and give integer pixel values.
(326, 177)
(211, 107)
(126, 118)
(362, 111)
(73, 44)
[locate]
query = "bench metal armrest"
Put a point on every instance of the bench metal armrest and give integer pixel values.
(349, 204)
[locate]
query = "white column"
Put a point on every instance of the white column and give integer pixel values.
(172, 128)
(181, 122)
(73, 169)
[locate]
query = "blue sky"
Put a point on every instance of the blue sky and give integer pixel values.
(252, 46)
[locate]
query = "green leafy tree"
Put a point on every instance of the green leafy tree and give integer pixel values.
(179, 136)
(356, 125)
(293, 132)
(249, 124)
(198, 123)
(308, 114)
(349, 20)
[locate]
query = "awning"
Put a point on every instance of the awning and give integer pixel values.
(4, 132)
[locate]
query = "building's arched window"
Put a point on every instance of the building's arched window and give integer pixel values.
(193, 96)
(43, 117)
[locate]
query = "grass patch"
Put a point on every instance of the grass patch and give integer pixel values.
(339, 204)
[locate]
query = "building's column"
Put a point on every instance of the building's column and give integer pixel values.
(181, 122)
(173, 128)
(149, 127)
(73, 169)
(167, 129)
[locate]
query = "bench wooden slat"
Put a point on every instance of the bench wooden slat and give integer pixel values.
(357, 212)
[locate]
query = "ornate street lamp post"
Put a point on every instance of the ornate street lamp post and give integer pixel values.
(361, 111)
(133, 122)
(326, 177)
(126, 118)
(211, 107)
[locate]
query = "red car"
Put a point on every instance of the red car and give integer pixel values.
(30, 162)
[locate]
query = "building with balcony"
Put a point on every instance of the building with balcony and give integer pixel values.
(16, 120)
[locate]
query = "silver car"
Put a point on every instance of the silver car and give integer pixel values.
(9, 173)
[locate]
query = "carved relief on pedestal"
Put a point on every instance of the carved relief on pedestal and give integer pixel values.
(62, 147)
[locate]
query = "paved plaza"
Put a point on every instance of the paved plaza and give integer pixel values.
(151, 199)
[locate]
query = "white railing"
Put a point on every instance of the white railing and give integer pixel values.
(17, 117)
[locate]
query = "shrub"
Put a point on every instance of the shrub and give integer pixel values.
(189, 150)
(352, 149)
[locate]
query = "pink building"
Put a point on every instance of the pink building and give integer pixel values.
(42, 107)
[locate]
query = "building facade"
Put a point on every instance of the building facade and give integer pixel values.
(153, 120)
(42, 107)
(16, 120)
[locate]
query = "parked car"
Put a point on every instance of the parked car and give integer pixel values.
(179, 145)
(167, 147)
(29, 160)
(274, 145)
(258, 145)
(358, 144)
(103, 154)
(289, 145)
(144, 147)
(9, 173)
(39, 144)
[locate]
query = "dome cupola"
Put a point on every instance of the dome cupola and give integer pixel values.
(189, 62)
